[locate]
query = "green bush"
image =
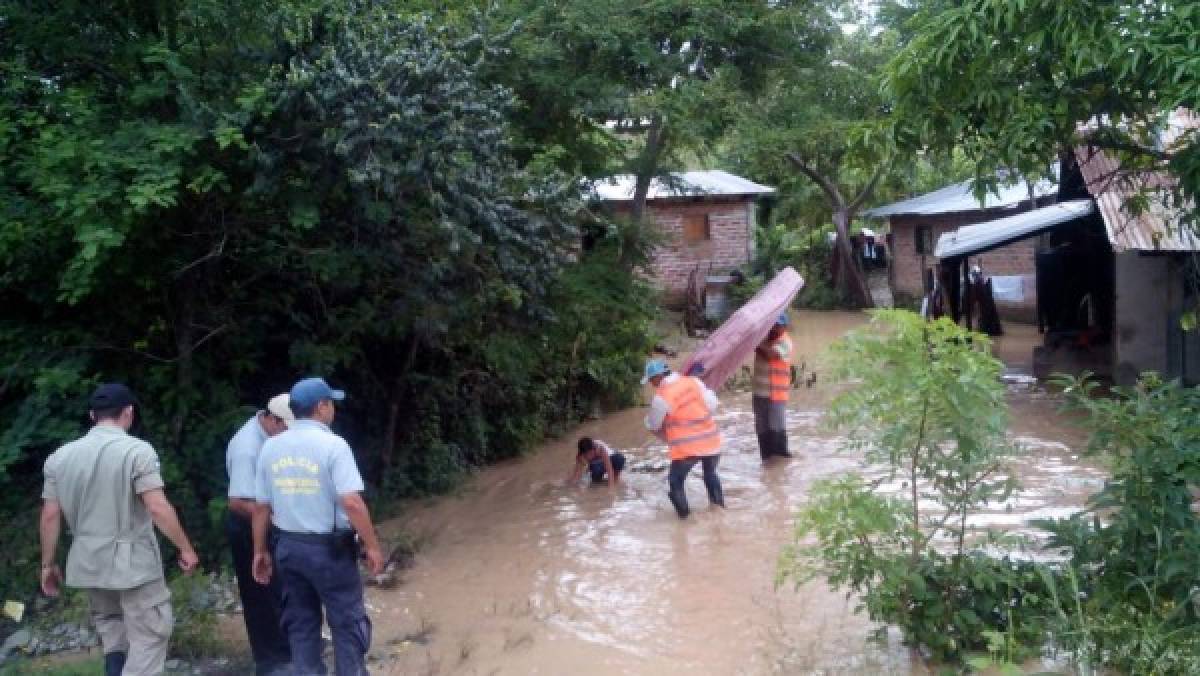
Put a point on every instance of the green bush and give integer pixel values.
(925, 401)
(195, 632)
(1134, 568)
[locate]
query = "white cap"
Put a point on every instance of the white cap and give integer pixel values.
(280, 408)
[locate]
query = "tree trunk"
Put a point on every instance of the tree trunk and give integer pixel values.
(851, 277)
(647, 167)
(387, 454)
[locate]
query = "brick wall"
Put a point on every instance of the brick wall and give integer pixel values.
(729, 245)
(1014, 259)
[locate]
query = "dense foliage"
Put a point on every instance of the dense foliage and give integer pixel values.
(780, 245)
(660, 80)
(1013, 84)
(210, 199)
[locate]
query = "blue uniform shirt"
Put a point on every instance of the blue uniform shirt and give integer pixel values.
(301, 473)
(241, 458)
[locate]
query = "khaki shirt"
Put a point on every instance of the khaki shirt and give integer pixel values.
(97, 480)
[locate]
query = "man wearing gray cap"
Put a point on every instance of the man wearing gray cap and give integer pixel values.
(308, 487)
(108, 487)
(260, 603)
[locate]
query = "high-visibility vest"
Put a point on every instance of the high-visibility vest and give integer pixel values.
(776, 379)
(689, 427)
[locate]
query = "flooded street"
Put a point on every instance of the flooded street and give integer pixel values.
(519, 574)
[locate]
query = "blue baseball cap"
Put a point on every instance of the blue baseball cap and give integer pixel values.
(782, 320)
(654, 367)
(311, 391)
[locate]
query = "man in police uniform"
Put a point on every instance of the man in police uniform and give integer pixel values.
(308, 486)
(681, 415)
(108, 487)
(772, 385)
(260, 603)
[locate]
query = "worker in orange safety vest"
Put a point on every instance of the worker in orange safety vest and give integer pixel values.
(772, 384)
(681, 415)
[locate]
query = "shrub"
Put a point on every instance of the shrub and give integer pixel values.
(1134, 567)
(926, 402)
(195, 632)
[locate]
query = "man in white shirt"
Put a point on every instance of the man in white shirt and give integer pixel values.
(260, 603)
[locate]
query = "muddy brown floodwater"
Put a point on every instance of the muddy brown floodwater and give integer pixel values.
(520, 574)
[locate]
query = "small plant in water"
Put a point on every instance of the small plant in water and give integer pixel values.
(926, 403)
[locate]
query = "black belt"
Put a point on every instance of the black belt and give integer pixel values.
(316, 537)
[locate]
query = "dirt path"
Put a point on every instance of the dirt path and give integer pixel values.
(521, 575)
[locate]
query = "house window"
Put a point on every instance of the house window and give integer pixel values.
(696, 228)
(923, 239)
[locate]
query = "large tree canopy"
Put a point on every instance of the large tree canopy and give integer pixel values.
(670, 72)
(1013, 83)
(209, 199)
(818, 130)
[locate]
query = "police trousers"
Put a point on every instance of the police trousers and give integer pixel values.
(137, 622)
(316, 573)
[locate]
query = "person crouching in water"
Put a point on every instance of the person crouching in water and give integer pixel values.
(772, 384)
(599, 460)
(681, 415)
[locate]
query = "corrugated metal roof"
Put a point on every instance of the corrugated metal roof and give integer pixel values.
(961, 197)
(1157, 228)
(710, 183)
(981, 237)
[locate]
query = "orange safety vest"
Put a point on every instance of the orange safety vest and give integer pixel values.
(689, 427)
(781, 370)
(773, 376)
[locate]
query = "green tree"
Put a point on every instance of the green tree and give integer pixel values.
(825, 122)
(1014, 84)
(668, 73)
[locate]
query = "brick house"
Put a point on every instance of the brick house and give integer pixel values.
(1113, 283)
(917, 223)
(707, 219)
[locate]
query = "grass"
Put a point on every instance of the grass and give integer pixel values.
(89, 667)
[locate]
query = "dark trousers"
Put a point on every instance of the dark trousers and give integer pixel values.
(260, 604)
(316, 573)
(770, 424)
(596, 467)
(678, 473)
